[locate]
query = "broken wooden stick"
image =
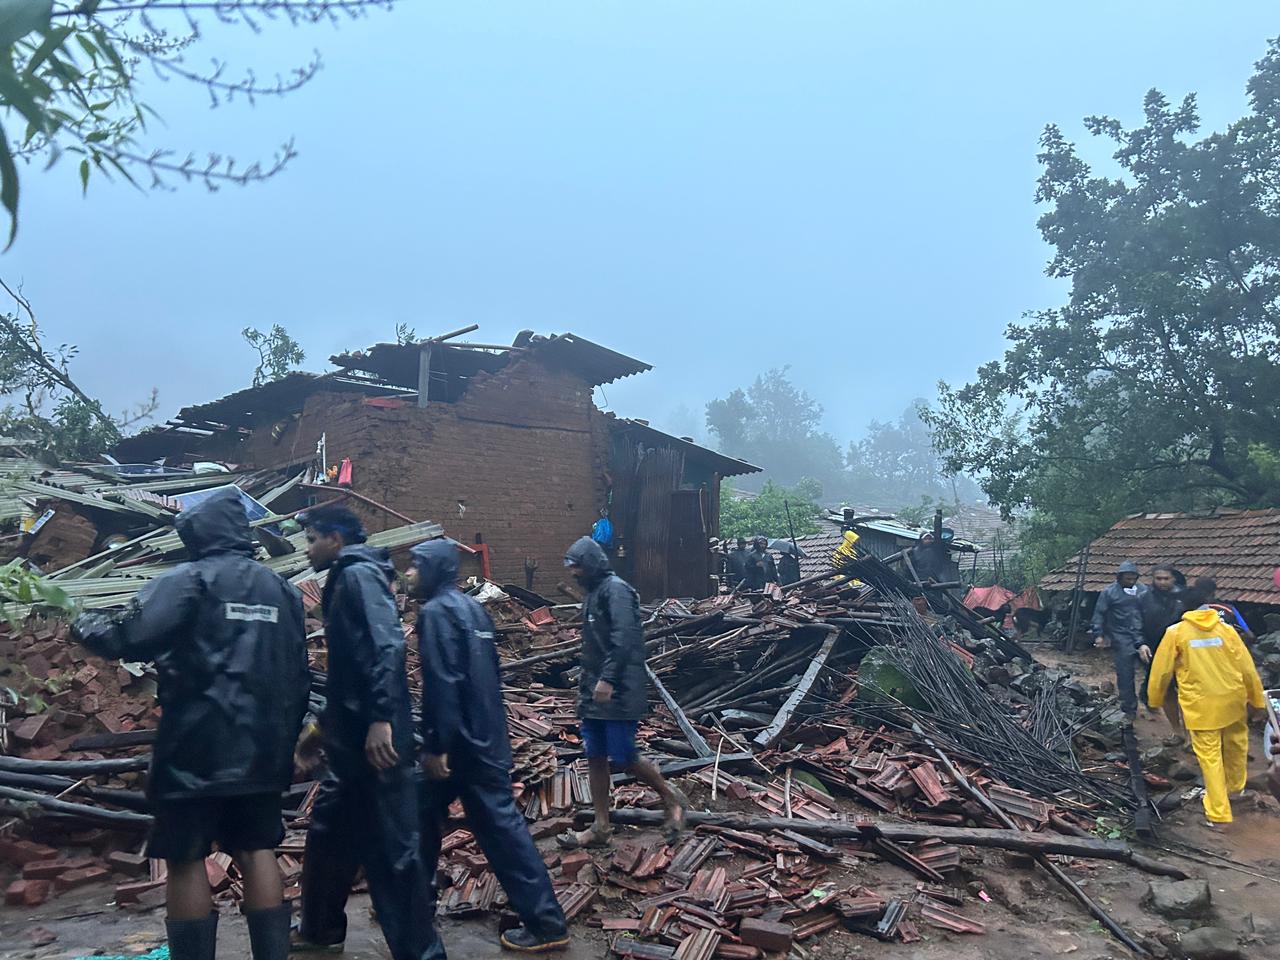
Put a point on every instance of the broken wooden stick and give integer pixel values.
(769, 734)
(1017, 840)
(696, 740)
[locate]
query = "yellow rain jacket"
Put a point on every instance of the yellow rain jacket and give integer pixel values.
(1215, 673)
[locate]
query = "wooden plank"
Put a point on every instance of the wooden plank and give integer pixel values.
(696, 740)
(769, 734)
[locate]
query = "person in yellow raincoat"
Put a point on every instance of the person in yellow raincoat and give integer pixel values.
(1217, 683)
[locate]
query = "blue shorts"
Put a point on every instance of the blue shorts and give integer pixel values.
(615, 739)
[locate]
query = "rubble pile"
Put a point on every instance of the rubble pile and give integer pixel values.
(815, 705)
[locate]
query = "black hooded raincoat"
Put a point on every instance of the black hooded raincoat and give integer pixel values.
(612, 639)
(229, 645)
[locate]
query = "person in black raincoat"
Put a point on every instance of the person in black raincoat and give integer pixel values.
(366, 812)
(1162, 607)
(761, 569)
(229, 645)
(613, 692)
(788, 565)
(1117, 623)
(466, 749)
(735, 564)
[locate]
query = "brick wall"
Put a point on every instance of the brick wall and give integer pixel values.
(519, 450)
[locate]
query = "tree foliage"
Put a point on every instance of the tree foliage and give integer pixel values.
(765, 514)
(278, 353)
(49, 411)
(776, 425)
(1157, 384)
(70, 77)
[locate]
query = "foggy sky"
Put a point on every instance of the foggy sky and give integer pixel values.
(713, 187)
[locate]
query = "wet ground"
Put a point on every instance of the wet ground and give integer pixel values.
(1029, 914)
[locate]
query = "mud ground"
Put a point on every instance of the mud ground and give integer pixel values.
(1029, 915)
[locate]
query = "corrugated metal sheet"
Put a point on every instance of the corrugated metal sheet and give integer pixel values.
(1240, 549)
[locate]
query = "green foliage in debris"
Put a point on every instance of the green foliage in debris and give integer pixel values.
(766, 514)
(1156, 385)
(22, 591)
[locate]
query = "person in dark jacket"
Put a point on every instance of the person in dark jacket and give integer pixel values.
(1117, 623)
(366, 812)
(788, 566)
(613, 692)
(761, 569)
(1162, 607)
(466, 748)
(735, 564)
(229, 645)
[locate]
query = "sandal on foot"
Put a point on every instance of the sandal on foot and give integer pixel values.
(676, 825)
(592, 837)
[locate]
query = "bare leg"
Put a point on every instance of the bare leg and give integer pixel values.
(648, 774)
(1174, 714)
(263, 888)
(187, 890)
(601, 788)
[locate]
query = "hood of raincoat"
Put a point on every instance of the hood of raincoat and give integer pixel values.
(1204, 619)
(590, 556)
(437, 565)
(380, 557)
(216, 525)
(1127, 567)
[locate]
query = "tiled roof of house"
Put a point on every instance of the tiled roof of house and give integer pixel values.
(1240, 549)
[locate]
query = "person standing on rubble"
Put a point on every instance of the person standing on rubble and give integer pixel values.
(1217, 683)
(613, 693)
(366, 812)
(1117, 623)
(735, 564)
(229, 644)
(467, 750)
(761, 570)
(1161, 609)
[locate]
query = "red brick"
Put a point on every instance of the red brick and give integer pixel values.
(28, 730)
(78, 878)
(52, 869)
(130, 892)
(130, 864)
(27, 893)
(571, 864)
(768, 936)
(21, 852)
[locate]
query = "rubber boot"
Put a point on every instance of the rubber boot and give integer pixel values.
(193, 939)
(269, 931)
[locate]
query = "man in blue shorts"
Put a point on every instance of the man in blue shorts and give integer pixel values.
(613, 692)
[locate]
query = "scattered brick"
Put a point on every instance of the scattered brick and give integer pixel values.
(21, 852)
(27, 893)
(52, 869)
(28, 730)
(767, 935)
(78, 878)
(130, 864)
(130, 892)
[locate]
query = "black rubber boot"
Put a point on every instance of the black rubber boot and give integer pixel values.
(193, 939)
(269, 932)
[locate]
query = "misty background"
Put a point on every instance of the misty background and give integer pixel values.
(830, 201)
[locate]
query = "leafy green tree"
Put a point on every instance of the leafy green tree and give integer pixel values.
(70, 77)
(48, 409)
(1157, 384)
(896, 463)
(277, 353)
(775, 425)
(765, 514)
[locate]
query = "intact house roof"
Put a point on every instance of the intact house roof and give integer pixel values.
(1240, 549)
(640, 431)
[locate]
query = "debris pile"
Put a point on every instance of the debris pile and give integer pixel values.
(808, 709)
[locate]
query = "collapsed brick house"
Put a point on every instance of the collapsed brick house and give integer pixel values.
(502, 445)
